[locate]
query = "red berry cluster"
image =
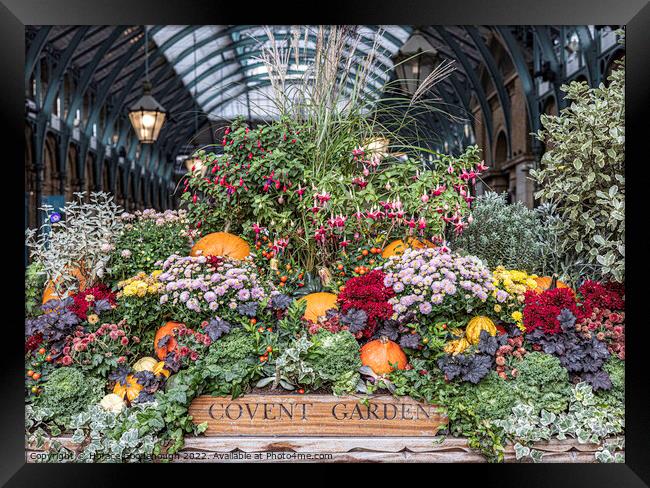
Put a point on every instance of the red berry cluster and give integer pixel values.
(369, 294)
(513, 349)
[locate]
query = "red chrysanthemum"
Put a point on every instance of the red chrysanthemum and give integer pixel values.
(83, 302)
(541, 309)
(369, 294)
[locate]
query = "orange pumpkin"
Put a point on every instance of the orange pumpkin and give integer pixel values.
(397, 247)
(545, 282)
(50, 290)
(381, 354)
(318, 304)
(130, 390)
(221, 244)
(169, 329)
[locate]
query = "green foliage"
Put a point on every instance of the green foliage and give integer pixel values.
(34, 286)
(615, 368)
(541, 381)
(503, 234)
(147, 237)
(231, 364)
(582, 173)
(67, 392)
(323, 359)
(334, 355)
(586, 420)
(100, 436)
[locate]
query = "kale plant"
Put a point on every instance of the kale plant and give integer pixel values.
(67, 392)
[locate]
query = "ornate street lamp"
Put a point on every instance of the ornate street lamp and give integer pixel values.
(147, 115)
(414, 62)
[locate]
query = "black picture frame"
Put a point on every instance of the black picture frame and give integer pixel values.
(635, 14)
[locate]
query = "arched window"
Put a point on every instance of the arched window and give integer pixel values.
(119, 192)
(500, 151)
(106, 179)
(89, 176)
(50, 170)
(72, 175)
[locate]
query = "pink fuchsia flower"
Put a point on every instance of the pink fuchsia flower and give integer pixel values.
(113, 335)
(67, 360)
(481, 167)
(121, 360)
(124, 341)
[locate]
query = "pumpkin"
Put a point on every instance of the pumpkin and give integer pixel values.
(130, 390)
(546, 282)
(381, 354)
(397, 247)
(318, 304)
(476, 325)
(168, 329)
(456, 346)
(50, 290)
(159, 368)
(221, 244)
(145, 364)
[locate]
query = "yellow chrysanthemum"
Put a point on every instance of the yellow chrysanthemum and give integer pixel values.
(517, 315)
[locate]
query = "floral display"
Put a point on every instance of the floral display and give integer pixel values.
(100, 351)
(305, 261)
(367, 294)
(436, 283)
(201, 288)
(148, 237)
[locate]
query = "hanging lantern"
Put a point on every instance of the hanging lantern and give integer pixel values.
(147, 116)
(414, 62)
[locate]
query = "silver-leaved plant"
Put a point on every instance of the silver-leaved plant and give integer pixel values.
(77, 241)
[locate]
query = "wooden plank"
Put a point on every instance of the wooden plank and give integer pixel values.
(324, 415)
(235, 449)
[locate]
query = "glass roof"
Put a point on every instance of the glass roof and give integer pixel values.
(221, 65)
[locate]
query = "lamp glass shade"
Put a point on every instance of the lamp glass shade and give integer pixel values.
(147, 118)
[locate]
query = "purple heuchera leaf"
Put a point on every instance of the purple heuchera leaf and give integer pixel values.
(356, 320)
(575, 352)
(599, 380)
(248, 309)
(410, 341)
(217, 328)
(281, 301)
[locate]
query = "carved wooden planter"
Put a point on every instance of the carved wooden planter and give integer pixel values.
(317, 415)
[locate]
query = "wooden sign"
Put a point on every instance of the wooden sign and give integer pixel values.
(320, 415)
